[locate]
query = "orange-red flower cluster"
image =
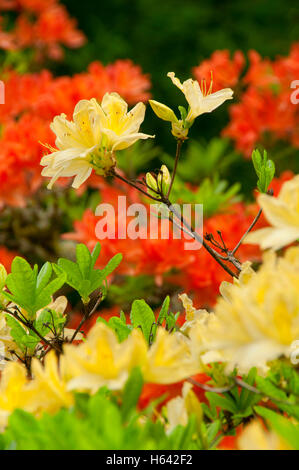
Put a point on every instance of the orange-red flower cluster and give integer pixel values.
(31, 102)
(265, 112)
(42, 25)
(225, 70)
(166, 259)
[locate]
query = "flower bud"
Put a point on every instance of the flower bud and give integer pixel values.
(152, 184)
(163, 111)
(164, 179)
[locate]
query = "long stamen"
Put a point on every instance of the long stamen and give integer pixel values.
(211, 84)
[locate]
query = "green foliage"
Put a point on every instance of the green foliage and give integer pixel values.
(143, 317)
(82, 275)
(118, 325)
(264, 168)
(98, 423)
(140, 156)
(72, 204)
(214, 194)
(132, 286)
(201, 160)
(29, 289)
(239, 403)
(131, 394)
(26, 339)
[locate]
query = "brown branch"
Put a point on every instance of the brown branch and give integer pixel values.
(247, 231)
(86, 316)
(207, 388)
(177, 156)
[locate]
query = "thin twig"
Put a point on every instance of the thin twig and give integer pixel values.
(198, 238)
(207, 388)
(30, 326)
(247, 231)
(177, 156)
(117, 175)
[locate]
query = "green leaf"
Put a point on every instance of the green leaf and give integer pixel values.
(267, 387)
(164, 310)
(17, 331)
(83, 260)
(43, 322)
(224, 403)
(121, 329)
(131, 393)
(30, 342)
(142, 317)
(22, 282)
(44, 296)
(183, 112)
(81, 275)
(44, 276)
(112, 265)
(95, 254)
(264, 168)
(72, 270)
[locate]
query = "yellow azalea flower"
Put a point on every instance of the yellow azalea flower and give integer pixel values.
(169, 359)
(89, 141)
(245, 275)
(102, 360)
(192, 315)
(47, 390)
(282, 213)
(13, 380)
(200, 100)
(120, 126)
(258, 321)
(79, 146)
(180, 408)
(256, 437)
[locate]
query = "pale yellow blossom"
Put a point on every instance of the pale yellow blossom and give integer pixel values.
(120, 126)
(257, 321)
(12, 382)
(102, 360)
(200, 100)
(180, 408)
(47, 390)
(91, 139)
(282, 213)
(169, 359)
(256, 437)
